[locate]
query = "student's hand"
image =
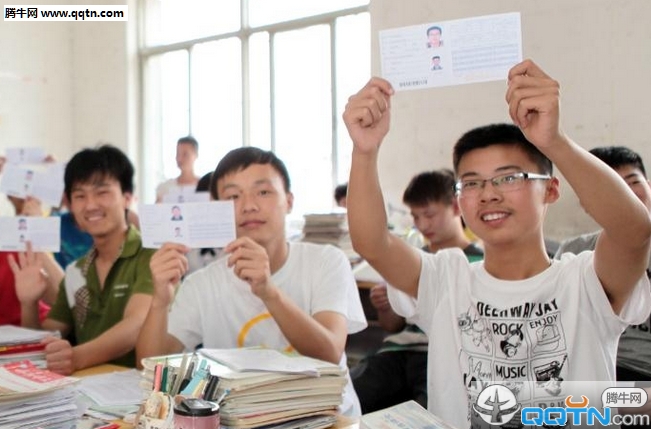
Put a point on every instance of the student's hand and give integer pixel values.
(534, 103)
(167, 265)
(30, 277)
(31, 207)
(250, 263)
(3, 160)
(367, 115)
(380, 297)
(59, 355)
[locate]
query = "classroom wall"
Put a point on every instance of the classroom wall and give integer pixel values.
(597, 49)
(65, 85)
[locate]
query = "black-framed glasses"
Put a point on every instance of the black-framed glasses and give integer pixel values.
(504, 183)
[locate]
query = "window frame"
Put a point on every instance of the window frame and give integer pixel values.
(243, 34)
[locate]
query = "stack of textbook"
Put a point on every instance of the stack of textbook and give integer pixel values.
(17, 343)
(258, 387)
(329, 228)
(31, 397)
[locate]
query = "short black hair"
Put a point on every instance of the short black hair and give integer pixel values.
(341, 191)
(430, 187)
(189, 140)
(240, 159)
(499, 134)
(203, 184)
(434, 27)
(619, 156)
(98, 163)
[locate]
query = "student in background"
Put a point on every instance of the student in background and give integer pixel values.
(104, 297)
(291, 296)
(74, 242)
(10, 304)
(187, 151)
(340, 195)
(634, 351)
(10, 309)
(398, 371)
(504, 188)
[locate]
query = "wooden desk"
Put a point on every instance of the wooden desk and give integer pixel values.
(343, 422)
(99, 369)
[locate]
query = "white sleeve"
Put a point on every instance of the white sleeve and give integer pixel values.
(184, 319)
(403, 304)
(335, 289)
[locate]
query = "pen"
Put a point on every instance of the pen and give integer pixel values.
(163, 383)
(188, 373)
(211, 388)
(179, 375)
(158, 373)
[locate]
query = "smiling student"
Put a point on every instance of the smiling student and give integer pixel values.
(104, 296)
(570, 312)
(264, 291)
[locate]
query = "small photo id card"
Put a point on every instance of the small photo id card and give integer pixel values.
(43, 232)
(445, 53)
(197, 225)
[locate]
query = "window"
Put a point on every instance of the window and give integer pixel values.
(275, 74)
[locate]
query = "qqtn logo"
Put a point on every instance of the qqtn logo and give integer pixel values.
(498, 405)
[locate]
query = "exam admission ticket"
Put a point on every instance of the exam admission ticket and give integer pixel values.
(25, 155)
(197, 225)
(468, 50)
(42, 181)
(42, 232)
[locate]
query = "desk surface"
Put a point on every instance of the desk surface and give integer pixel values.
(343, 422)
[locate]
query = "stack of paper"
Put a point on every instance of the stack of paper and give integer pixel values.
(32, 397)
(329, 228)
(17, 343)
(264, 388)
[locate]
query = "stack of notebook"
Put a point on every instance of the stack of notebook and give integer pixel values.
(329, 228)
(31, 397)
(17, 343)
(257, 387)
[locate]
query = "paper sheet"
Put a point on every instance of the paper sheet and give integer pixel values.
(197, 225)
(468, 50)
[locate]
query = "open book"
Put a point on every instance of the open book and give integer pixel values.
(405, 415)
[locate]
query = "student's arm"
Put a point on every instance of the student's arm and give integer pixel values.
(322, 335)
(388, 319)
(621, 253)
(167, 265)
(367, 117)
(115, 342)
(37, 277)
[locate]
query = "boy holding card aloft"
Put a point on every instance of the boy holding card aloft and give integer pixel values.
(561, 319)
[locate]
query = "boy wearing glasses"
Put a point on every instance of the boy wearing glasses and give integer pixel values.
(517, 318)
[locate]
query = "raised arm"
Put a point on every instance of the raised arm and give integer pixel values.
(37, 277)
(367, 118)
(621, 254)
(167, 265)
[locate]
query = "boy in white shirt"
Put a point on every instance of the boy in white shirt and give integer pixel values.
(517, 318)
